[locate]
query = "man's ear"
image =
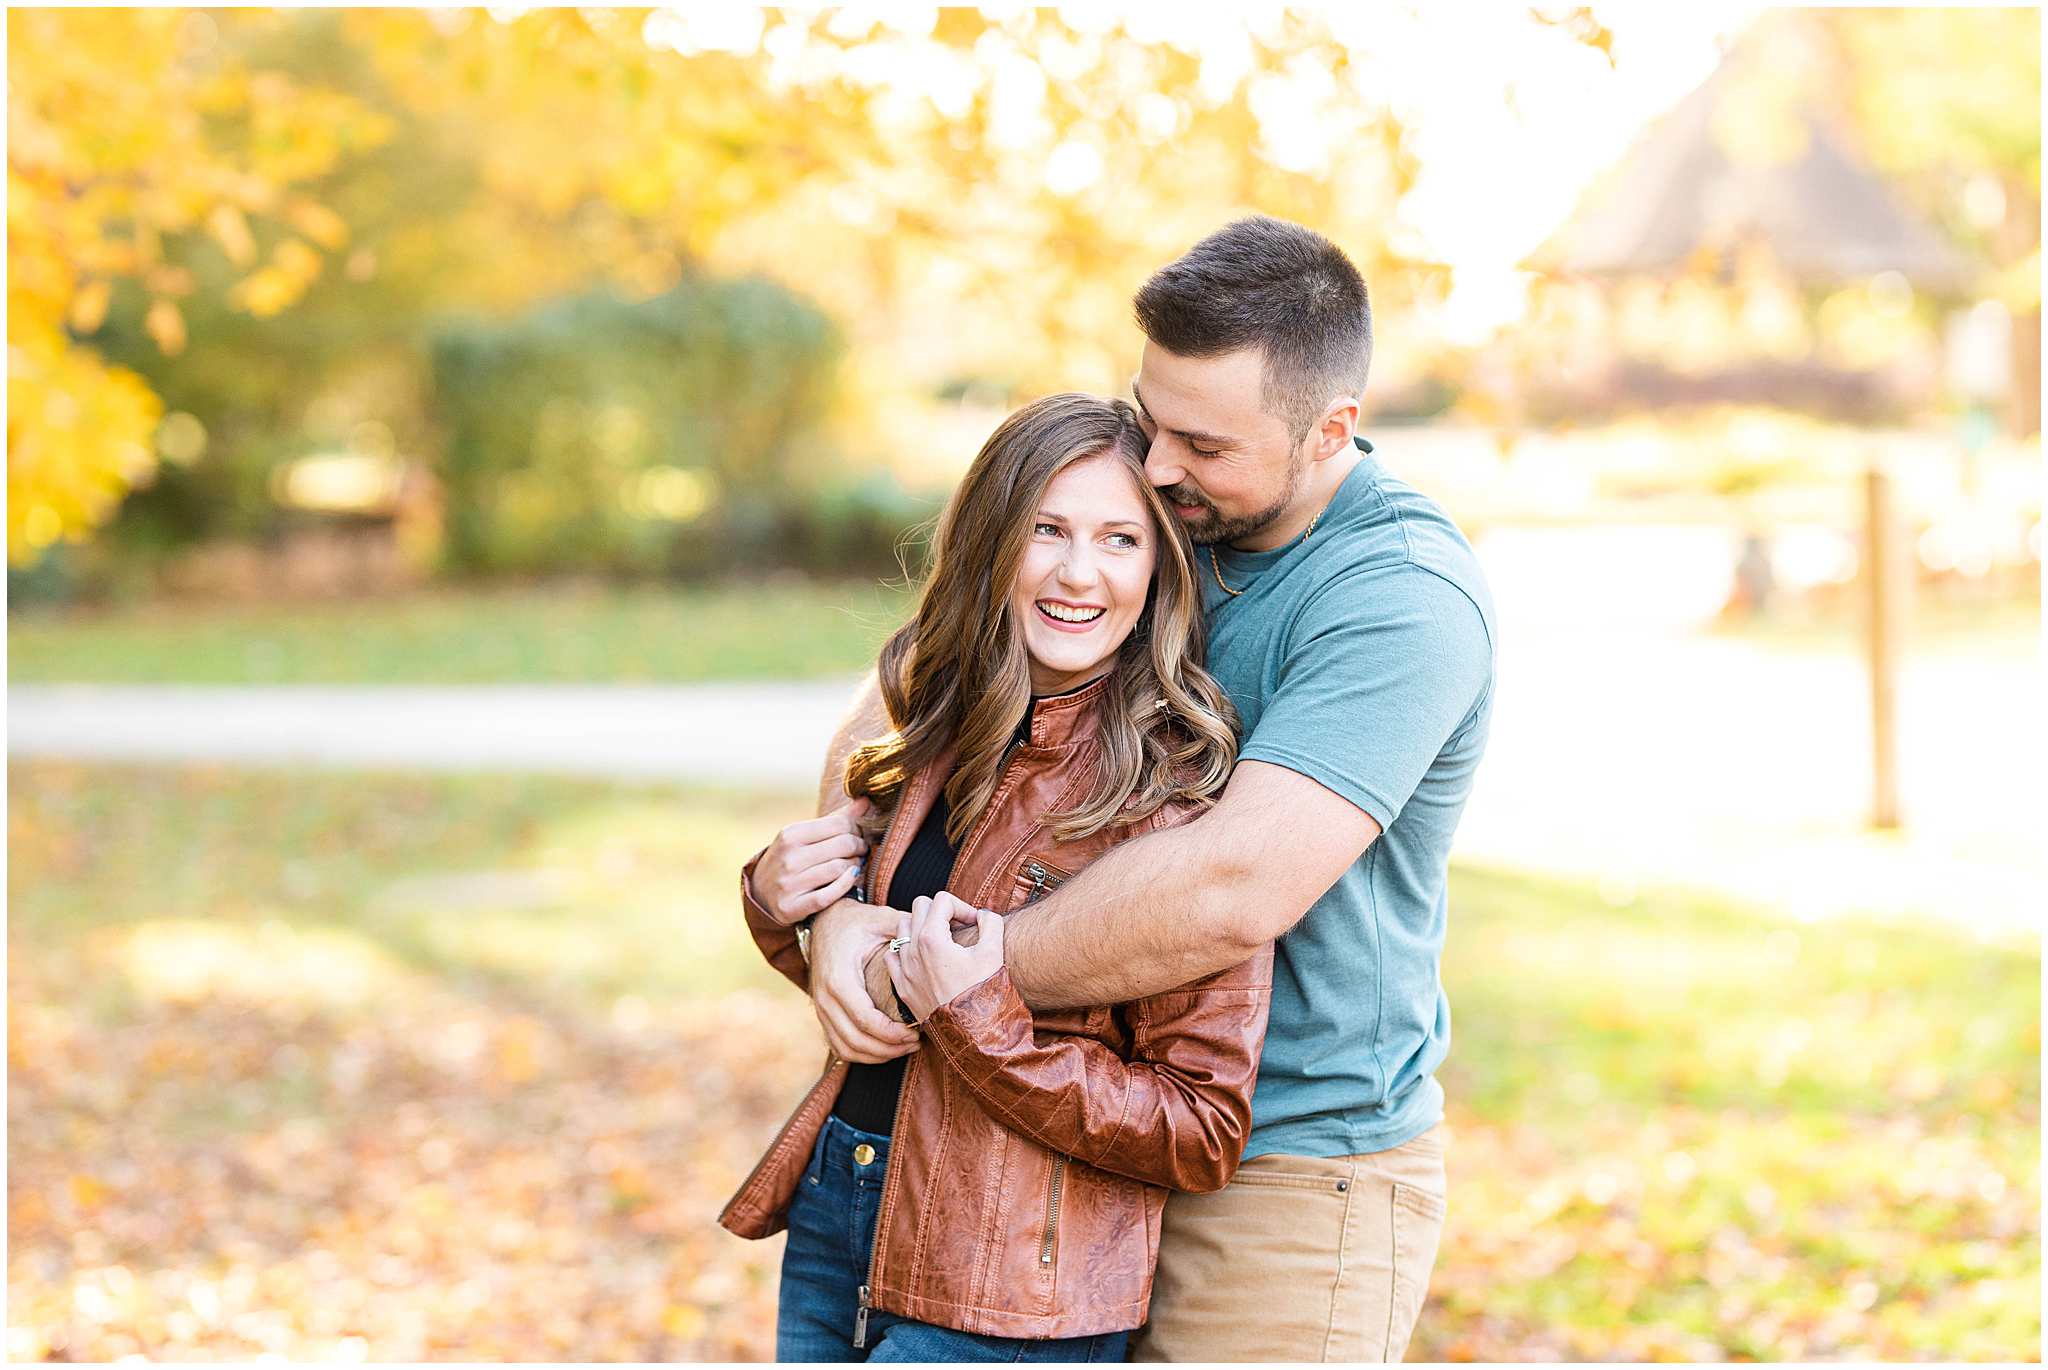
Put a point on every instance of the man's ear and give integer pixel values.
(1333, 434)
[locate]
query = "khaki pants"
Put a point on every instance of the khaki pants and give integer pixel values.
(1300, 1258)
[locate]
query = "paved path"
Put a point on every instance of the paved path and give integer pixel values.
(771, 734)
(1628, 759)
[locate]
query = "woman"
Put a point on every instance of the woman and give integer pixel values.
(996, 1195)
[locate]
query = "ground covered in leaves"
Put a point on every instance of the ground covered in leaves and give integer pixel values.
(397, 1067)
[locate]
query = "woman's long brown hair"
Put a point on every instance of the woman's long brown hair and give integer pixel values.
(959, 670)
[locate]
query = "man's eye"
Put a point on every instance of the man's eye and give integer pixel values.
(1204, 452)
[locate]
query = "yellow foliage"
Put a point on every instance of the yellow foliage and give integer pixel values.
(78, 436)
(970, 195)
(116, 142)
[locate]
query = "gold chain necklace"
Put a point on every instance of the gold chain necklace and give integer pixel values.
(1216, 569)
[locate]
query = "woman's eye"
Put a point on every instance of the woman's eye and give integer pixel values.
(1052, 528)
(1123, 540)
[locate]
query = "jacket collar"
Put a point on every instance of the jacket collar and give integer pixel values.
(1064, 719)
(1057, 722)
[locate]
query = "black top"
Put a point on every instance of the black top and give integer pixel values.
(867, 1100)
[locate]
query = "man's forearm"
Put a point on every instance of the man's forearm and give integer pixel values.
(1149, 915)
(867, 718)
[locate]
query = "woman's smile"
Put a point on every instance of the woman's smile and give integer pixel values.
(1069, 617)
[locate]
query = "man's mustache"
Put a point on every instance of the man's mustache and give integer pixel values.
(1181, 495)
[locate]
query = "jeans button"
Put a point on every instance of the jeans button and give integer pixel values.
(863, 1154)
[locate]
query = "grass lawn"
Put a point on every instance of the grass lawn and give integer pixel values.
(572, 634)
(398, 1067)
(774, 630)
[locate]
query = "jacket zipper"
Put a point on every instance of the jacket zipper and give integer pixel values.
(889, 1173)
(893, 1168)
(860, 1316)
(1044, 879)
(1052, 1210)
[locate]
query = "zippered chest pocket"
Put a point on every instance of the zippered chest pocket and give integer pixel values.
(1036, 878)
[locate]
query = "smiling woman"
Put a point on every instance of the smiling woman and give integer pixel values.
(1046, 702)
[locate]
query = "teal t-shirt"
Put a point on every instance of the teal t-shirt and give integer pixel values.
(1362, 657)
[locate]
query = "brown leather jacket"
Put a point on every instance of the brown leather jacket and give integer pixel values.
(1032, 1152)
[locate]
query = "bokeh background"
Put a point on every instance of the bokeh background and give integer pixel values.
(458, 462)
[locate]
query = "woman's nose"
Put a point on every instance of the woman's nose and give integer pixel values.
(1077, 568)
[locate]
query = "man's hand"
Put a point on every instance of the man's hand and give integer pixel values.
(931, 970)
(841, 941)
(881, 988)
(811, 865)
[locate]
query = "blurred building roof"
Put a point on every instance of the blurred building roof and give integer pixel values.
(1753, 156)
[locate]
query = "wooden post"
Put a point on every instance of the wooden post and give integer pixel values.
(1884, 571)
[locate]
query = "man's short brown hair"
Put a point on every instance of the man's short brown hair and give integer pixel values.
(1282, 288)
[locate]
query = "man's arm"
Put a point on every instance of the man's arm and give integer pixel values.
(865, 721)
(1183, 903)
(1382, 668)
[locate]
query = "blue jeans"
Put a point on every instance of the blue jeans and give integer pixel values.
(831, 1238)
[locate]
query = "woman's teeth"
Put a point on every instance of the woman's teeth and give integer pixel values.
(1065, 614)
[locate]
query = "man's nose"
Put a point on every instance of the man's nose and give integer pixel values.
(1160, 467)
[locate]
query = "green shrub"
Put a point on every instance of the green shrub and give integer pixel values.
(602, 434)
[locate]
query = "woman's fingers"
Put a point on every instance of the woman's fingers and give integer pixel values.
(936, 929)
(821, 862)
(957, 910)
(856, 1029)
(828, 849)
(862, 1032)
(844, 819)
(796, 886)
(894, 960)
(817, 901)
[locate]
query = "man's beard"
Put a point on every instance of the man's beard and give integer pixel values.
(1212, 527)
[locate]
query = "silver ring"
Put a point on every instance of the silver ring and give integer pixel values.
(898, 943)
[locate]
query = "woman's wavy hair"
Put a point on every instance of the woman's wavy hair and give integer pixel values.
(959, 670)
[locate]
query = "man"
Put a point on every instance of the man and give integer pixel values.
(1350, 624)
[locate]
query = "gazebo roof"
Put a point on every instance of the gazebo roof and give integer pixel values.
(1751, 157)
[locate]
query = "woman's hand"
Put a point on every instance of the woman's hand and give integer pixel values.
(929, 969)
(842, 941)
(810, 865)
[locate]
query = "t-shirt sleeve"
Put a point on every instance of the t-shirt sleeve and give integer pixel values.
(1381, 668)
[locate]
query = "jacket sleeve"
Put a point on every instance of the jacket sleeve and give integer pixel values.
(1176, 1114)
(776, 942)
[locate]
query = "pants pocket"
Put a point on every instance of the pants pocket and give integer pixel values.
(814, 1170)
(1418, 1220)
(1248, 1273)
